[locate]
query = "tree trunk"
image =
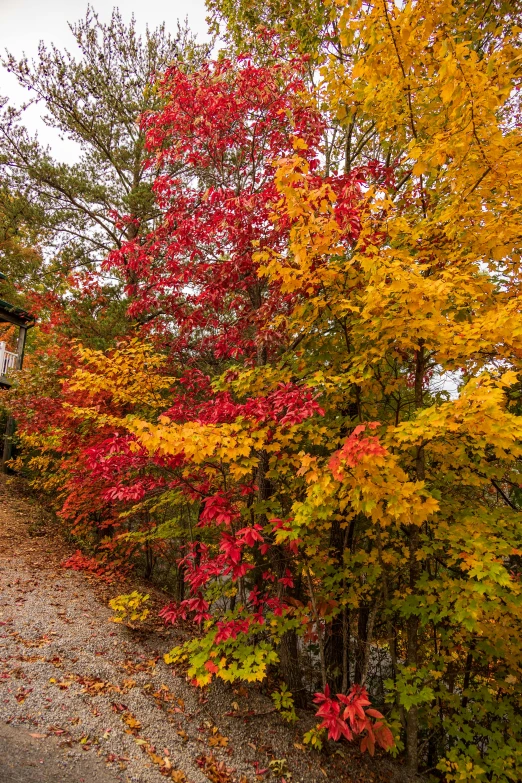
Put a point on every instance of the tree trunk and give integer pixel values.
(289, 664)
(412, 626)
(290, 667)
(362, 638)
(335, 633)
(8, 443)
(412, 718)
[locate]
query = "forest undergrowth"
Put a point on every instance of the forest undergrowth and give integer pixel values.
(82, 685)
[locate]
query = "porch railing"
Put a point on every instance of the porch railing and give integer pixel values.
(8, 360)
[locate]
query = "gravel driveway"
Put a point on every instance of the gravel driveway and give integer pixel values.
(27, 757)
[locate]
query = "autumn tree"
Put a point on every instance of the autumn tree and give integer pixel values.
(93, 99)
(428, 296)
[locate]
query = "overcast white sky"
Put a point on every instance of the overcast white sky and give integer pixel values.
(23, 23)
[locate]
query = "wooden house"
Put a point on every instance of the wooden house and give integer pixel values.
(11, 360)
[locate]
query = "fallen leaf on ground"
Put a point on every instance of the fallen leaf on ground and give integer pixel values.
(131, 721)
(216, 771)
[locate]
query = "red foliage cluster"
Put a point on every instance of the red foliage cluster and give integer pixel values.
(355, 448)
(289, 404)
(349, 716)
(226, 125)
(80, 562)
